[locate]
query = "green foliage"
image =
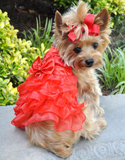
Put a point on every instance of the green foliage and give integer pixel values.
(36, 38)
(8, 94)
(118, 36)
(16, 57)
(113, 73)
(116, 9)
(64, 4)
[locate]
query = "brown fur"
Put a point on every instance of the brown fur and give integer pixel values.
(42, 133)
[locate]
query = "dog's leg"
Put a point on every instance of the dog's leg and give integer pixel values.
(59, 142)
(89, 91)
(92, 126)
(91, 98)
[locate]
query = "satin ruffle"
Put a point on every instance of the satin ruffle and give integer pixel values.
(49, 93)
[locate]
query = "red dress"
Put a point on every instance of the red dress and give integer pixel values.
(49, 93)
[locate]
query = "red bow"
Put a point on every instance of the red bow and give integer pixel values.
(92, 28)
(38, 67)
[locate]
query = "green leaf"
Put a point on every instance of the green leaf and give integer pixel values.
(6, 81)
(20, 79)
(119, 84)
(121, 89)
(1, 81)
(114, 92)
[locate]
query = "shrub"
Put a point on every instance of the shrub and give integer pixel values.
(116, 8)
(118, 36)
(113, 71)
(63, 5)
(16, 56)
(8, 94)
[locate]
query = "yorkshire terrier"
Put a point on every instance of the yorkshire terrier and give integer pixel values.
(80, 39)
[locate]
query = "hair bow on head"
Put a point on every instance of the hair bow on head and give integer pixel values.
(93, 29)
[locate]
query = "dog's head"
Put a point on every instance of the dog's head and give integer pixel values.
(81, 37)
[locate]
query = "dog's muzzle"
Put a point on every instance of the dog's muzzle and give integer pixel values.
(89, 62)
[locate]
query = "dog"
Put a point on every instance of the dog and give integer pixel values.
(79, 41)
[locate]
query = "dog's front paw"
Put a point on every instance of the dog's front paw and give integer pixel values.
(102, 123)
(100, 112)
(63, 152)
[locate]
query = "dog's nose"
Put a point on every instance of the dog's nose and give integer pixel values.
(89, 62)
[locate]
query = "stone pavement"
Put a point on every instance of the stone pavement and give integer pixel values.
(110, 145)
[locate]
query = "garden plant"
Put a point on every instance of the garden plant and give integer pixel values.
(17, 55)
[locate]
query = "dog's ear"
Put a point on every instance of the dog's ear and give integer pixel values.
(58, 22)
(102, 19)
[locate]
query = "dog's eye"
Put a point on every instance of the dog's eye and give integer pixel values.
(95, 45)
(77, 49)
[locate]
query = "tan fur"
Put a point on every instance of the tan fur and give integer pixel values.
(42, 133)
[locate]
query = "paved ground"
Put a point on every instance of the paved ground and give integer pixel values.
(110, 145)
